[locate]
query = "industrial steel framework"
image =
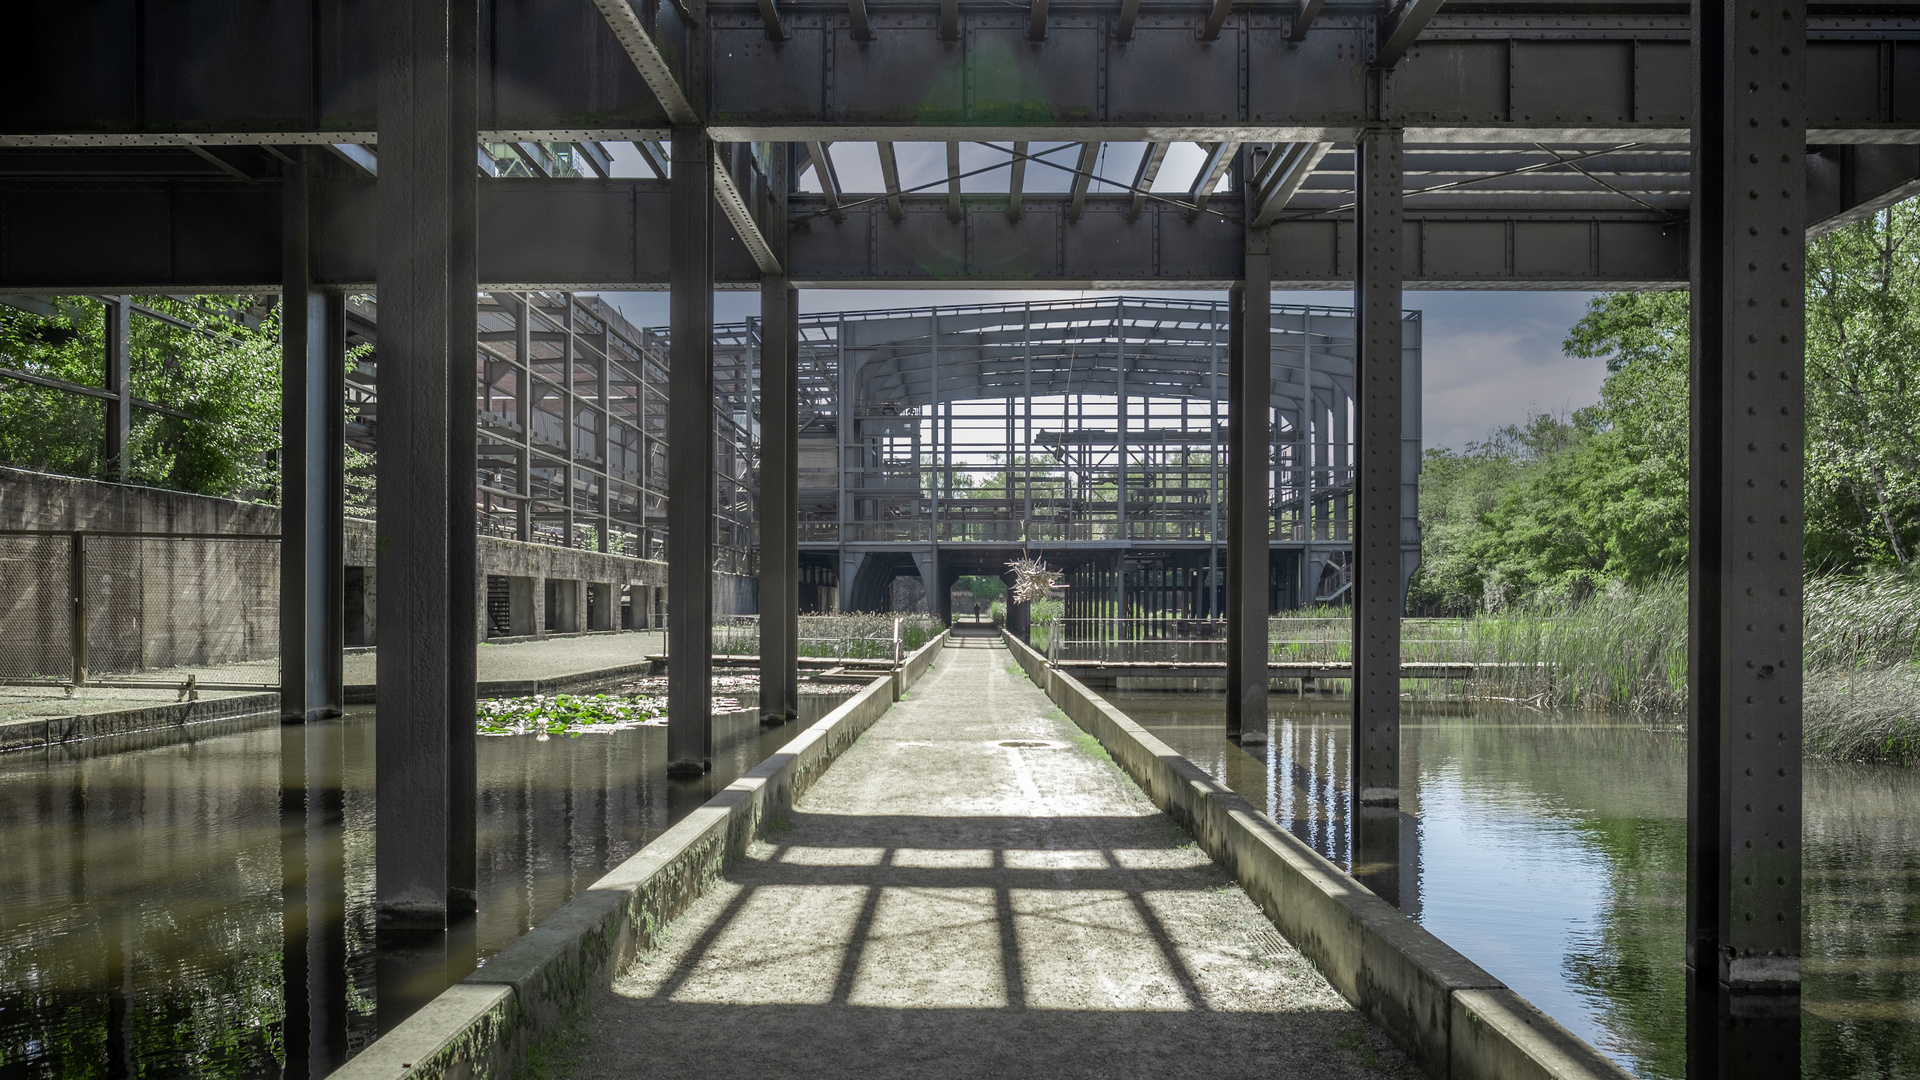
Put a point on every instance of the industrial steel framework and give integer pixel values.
(946, 440)
(312, 146)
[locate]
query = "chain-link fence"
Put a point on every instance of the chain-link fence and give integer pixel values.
(142, 601)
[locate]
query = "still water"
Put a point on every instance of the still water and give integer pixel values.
(141, 891)
(1551, 851)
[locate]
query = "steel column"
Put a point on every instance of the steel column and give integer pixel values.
(1746, 555)
(523, 415)
(690, 485)
(117, 379)
(312, 452)
(1379, 273)
(77, 612)
(428, 312)
(1249, 442)
(779, 501)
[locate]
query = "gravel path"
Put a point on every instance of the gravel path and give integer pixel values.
(973, 891)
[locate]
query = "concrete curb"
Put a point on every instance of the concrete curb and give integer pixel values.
(486, 1024)
(1458, 1022)
(38, 732)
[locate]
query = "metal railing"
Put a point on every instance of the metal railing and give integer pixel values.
(1309, 640)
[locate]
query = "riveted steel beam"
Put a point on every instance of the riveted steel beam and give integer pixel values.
(1286, 171)
(580, 234)
(690, 482)
(558, 75)
(1143, 178)
(779, 497)
(734, 205)
(648, 60)
(1401, 27)
(1746, 556)
(1377, 577)
(424, 224)
(1249, 472)
(890, 176)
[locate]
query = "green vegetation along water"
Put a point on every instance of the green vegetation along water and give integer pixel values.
(141, 891)
(1552, 852)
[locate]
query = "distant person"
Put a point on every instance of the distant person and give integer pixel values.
(976, 611)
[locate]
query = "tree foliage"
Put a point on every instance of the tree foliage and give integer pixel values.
(219, 370)
(1563, 505)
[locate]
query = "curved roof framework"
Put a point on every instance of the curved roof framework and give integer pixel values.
(1081, 422)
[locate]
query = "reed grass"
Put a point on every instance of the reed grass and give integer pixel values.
(1620, 649)
(852, 636)
(1626, 650)
(1866, 715)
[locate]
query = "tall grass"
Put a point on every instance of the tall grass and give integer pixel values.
(1627, 649)
(1041, 617)
(1620, 648)
(1870, 714)
(853, 636)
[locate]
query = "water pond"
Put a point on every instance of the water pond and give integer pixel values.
(1551, 851)
(141, 891)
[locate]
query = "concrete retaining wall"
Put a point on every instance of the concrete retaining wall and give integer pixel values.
(156, 604)
(159, 723)
(1459, 1022)
(484, 1025)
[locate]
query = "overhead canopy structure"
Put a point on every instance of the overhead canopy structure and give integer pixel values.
(431, 147)
(1545, 148)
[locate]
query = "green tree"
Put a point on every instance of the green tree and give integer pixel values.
(1863, 370)
(221, 369)
(1605, 499)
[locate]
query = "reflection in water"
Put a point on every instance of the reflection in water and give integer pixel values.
(1551, 850)
(143, 903)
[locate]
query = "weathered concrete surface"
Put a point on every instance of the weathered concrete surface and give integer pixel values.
(1456, 1019)
(523, 997)
(162, 604)
(544, 660)
(185, 720)
(941, 904)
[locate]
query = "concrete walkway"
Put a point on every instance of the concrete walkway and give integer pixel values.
(973, 891)
(544, 659)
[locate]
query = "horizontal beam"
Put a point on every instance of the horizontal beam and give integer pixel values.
(177, 236)
(603, 234)
(89, 391)
(1848, 183)
(1105, 247)
(555, 70)
(224, 236)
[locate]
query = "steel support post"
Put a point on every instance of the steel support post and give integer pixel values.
(1249, 442)
(425, 872)
(523, 414)
(1379, 273)
(779, 498)
(117, 379)
(1746, 555)
(77, 613)
(690, 437)
(312, 452)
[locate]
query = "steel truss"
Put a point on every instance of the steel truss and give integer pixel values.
(1080, 429)
(1485, 144)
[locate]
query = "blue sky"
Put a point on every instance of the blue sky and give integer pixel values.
(1491, 358)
